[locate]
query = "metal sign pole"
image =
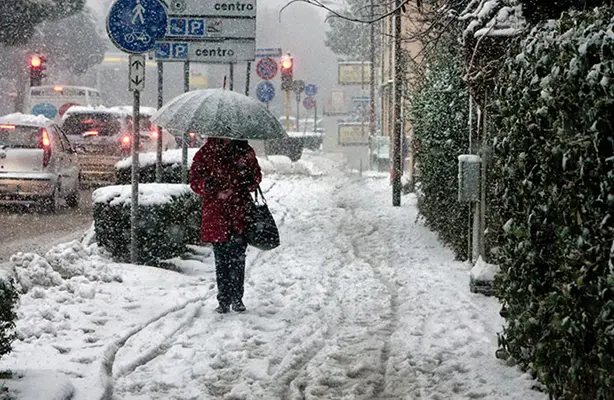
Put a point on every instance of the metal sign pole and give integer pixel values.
(315, 118)
(159, 128)
(184, 142)
(136, 84)
(298, 108)
(135, 178)
(232, 76)
(247, 77)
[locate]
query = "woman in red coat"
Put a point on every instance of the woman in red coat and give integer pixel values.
(223, 172)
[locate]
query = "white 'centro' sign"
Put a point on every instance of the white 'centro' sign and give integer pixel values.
(207, 52)
(217, 8)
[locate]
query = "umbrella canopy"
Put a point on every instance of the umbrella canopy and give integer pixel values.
(219, 113)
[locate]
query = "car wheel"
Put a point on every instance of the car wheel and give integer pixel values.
(72, 200)
(52, 203)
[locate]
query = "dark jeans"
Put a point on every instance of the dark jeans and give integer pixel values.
(230, 269)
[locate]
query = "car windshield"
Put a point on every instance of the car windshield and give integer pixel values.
(15, 136)
(97, 124)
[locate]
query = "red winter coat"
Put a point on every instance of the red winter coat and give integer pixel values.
(224, 174)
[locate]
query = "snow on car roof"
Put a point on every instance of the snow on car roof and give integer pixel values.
(24, 119)
(148, 111)
(92, 109)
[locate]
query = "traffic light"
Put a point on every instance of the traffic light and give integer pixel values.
(37, 69)
(287, 65)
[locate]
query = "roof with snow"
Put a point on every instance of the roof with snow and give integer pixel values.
(24, 119)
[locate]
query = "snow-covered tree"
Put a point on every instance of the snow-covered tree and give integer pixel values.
(18, 18)
(350, 39)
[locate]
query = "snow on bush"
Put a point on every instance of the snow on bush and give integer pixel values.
(33, 270)
(62, 262)
(68, 274)
(442, 139)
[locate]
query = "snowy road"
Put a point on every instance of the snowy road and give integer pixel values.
(25, 229)
(359, 302)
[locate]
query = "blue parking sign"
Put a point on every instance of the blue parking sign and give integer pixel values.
(180, 51)
(177, 26)
(163, 50)
(196, 27)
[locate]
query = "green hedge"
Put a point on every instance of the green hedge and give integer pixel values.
(171, 173)
(8, 302)
(552, 202)
(441, 139)
(163, 230)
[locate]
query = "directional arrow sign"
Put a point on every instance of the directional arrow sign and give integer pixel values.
(137, 72)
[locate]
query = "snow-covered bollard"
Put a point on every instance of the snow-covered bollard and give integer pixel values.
(482, 277)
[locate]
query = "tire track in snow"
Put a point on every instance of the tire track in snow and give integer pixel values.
(111, 351)
(160, 349)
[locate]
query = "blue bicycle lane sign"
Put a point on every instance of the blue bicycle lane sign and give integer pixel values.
(134, 26)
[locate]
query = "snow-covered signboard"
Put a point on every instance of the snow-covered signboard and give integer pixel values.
(354, 72)
(353, 134)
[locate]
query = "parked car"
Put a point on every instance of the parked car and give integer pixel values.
(37, 163)
(101, 137)
(149, 132)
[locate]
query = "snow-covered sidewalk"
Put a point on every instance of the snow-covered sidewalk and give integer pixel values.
(359, 302)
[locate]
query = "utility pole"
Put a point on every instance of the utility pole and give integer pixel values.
(398, 126)
(372, 74)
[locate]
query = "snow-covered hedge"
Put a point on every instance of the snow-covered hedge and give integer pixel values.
(169, 219)
(439, 114)
(553, 197)
(8, 300)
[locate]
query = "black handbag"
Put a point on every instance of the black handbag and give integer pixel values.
(260, 228)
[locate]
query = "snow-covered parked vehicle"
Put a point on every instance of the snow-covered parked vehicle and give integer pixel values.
(37, 163)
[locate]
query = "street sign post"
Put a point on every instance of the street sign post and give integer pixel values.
(265, 92)
(298, 87)
(238, 9)
(311, 90)
(309, 103)
(224, 52)
(266, 68)
(199, 28)
(273, 52)
(137, 73)
(135, 25)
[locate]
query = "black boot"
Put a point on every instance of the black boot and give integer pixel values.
(222, 309)
(238, 306)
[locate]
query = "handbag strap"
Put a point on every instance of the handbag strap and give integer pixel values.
(258, 190)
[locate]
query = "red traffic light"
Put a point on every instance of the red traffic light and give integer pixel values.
(286, 64)
(35, 61)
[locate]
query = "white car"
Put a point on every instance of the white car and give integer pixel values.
(37, 163)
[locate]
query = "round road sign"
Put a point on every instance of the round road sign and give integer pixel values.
(65, 108)
(265, 91)
(309, 103)
(45, 109)
(266, 68)
(311, 90)
(134, 26)
(298, 86)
